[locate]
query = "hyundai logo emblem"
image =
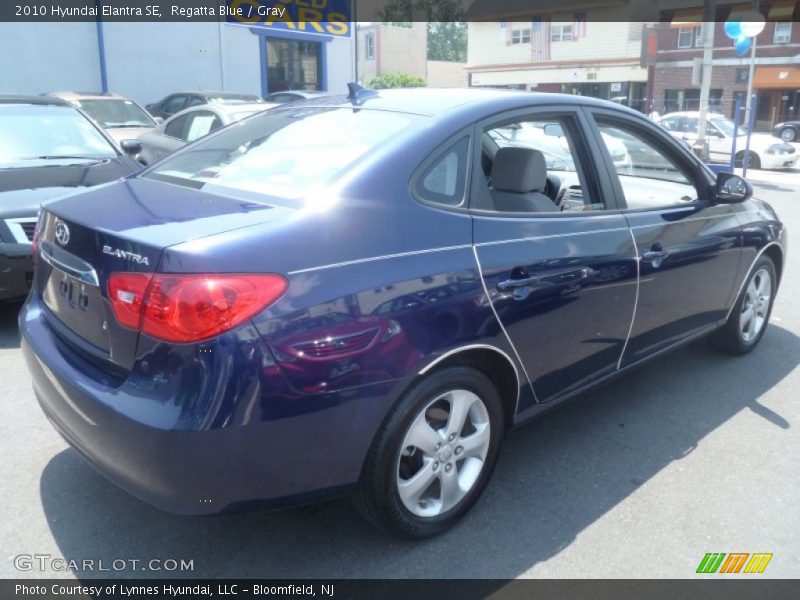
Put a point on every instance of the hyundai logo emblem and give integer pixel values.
(62, 233)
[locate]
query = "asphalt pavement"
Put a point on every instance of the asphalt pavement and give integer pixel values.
(696, 452)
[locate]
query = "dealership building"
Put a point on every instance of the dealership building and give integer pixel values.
(147, 60)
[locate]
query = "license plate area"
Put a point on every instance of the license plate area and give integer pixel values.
(79, 306)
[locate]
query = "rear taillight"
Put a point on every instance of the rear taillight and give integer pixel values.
(190, 308)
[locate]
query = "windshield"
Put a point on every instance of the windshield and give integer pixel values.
(282, 152)
(35, 133)
(726, 126)
(115, 113)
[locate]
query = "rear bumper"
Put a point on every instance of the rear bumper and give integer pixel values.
(16, 270)
(265, 461)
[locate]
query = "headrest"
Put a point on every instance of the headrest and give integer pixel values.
(519, 170)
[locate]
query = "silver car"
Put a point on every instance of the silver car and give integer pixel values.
(189, 125)
(120, 117)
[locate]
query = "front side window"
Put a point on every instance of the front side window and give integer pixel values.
(673, 124)
(649, 177)
(783, 32)
(285, 152)
(176, 128)
(32, 134)
(530, 166)
(201, 123)
(444, 181)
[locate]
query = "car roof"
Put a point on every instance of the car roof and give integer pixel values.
(226, 109)
(473, 101)
(303, 93)
(70, 96)
(31, 100)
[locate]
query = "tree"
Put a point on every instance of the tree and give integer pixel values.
(447, 40)
(395, 80)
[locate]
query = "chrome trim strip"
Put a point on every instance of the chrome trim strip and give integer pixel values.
(503, 329)
(635, 301)
(88, 276)
(747, 275)
(449, 353)
(15, 226)
(374, 258)
(555, 235)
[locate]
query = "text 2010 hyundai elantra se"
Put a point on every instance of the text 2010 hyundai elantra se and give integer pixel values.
(363, 293)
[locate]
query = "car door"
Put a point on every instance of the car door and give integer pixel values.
(560, 270)
(688, 247)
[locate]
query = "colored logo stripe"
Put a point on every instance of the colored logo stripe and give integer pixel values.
(713, 562)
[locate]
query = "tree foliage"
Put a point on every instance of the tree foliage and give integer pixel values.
(395, 80)
(447, 40)
(447, 37)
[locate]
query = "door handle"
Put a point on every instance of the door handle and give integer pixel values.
(511, 284)
(655, 255)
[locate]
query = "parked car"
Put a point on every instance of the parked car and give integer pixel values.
(218, 331)
(119, 116)
(189, 125)
(788, 131)
(765, 152)
(175, 103)
(48, 149)
(292, 96)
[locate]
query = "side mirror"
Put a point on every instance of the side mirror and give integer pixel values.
(158, 120)
(131, 147)
(731, 189)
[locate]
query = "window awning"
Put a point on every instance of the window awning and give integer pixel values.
(776, 78)
(687, 17)
(740, 11)
(782, 10)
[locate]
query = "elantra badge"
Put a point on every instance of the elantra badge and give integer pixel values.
(131, 256)
(62, 233)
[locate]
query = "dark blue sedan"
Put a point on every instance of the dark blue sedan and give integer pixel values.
(362, 294)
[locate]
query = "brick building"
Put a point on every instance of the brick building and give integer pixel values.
(776, 81)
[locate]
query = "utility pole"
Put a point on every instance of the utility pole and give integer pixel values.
(709, 25)
(749, 99)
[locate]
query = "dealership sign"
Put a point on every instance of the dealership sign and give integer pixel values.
(315, 17)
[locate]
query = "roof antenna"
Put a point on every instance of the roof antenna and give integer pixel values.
(358, 93)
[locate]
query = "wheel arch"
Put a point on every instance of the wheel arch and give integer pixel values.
(492, 362)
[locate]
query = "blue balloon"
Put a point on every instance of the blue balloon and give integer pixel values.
(743, 45)
(733, 29)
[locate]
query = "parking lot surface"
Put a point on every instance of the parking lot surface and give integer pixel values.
(695, 452)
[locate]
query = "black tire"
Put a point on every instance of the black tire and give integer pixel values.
(377, 497)
(788, 134)
(753, 160)
(728, 338)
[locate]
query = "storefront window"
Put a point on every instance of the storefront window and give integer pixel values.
(293, 65)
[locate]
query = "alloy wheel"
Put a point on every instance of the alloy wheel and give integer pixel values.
(443, 453)
(788, 134)
(755, 305)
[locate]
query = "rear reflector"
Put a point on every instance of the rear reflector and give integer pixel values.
(190, 308)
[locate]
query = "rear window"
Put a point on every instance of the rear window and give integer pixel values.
(284, 152)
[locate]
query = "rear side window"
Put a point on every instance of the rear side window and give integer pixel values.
(176, 127)
(444, 181)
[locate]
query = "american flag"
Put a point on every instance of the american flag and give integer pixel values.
(540, 38)
(579, 25)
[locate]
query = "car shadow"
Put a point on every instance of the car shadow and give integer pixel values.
(555, 478)
(9, 332)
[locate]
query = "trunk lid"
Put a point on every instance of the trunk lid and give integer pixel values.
(120, 227)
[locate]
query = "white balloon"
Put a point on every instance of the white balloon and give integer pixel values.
(752, 23)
